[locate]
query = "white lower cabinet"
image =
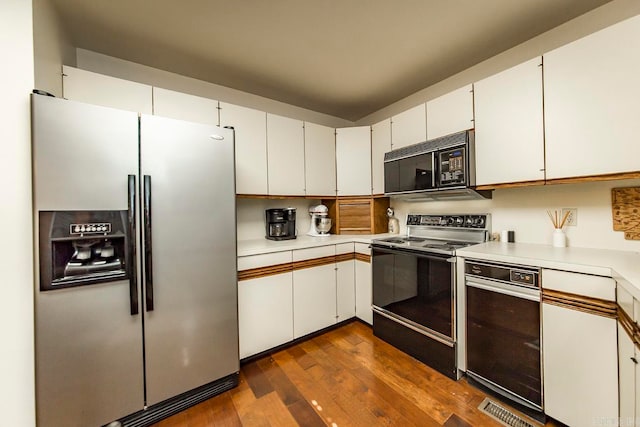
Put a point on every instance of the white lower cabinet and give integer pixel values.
(314, 291)
(579, 351)
(628, 355)
(364, 291)
(265, 313)
(345, 283)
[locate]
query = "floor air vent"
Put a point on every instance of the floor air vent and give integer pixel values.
(503, 415)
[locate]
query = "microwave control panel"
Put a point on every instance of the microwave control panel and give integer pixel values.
(453, 166)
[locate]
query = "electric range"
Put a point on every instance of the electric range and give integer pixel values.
(414, 285)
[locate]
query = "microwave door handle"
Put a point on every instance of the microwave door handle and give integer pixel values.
(133, 270)
(148, 259)
(433, 170)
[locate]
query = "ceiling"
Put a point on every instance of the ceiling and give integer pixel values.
(345, 58)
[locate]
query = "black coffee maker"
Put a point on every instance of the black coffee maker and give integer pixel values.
(280, 223)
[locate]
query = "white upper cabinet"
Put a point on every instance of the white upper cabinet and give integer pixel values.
(320, 160)
(509, 130)
(285, 156)
(353, 161)
(591, 95)
(450, 113)
(93, 88)
(182, 106)
(409, 127)
(251, 147)
(380, 144)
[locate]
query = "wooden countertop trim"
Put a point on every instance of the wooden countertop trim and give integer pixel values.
(362, 257)
(631, 328)
(314, 262)
(270, 270)
(345, 257)
(589, 305)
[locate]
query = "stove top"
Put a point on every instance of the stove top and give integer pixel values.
(440, 234)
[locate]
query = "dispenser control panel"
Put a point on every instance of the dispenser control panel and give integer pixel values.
(90, 228)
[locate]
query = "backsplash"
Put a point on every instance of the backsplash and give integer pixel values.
(520, 209)
(251, 215)
(524, 211)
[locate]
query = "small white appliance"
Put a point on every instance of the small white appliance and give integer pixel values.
(320, 221)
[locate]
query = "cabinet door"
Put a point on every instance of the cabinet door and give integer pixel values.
(450, 113)
(314, 299)
(380, 144)
(285, 156)
(627, 376)
(353, 161)
(251, 147)
(345, 282)
(93, 88)
(509, 128)
(320, 160)
(580, 366)
(591, 104)
(183, 106)
(409, 127)
(363, 291)
(265, 313)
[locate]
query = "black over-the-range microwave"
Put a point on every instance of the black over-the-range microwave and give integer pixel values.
(438, 169)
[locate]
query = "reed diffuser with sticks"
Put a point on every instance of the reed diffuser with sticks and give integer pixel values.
(558, 220)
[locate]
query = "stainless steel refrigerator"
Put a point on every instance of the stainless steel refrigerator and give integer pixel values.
(136, 287)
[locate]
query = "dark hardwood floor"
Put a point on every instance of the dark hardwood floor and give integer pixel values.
(345, 377)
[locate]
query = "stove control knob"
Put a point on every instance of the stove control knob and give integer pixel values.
(451, 220)
(459, 220)
(479, 221)
(468, 221)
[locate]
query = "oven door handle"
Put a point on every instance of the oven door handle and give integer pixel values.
(395, 250)
(503, 288)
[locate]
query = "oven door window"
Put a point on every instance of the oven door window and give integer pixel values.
(415, 287)
(503, 341)
(410, 174)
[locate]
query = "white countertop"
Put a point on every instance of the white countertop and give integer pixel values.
(623, 266)
(264, 246)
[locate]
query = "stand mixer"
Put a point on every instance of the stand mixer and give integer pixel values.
(320, 222)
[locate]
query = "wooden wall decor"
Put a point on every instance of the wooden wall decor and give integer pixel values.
(625, 205)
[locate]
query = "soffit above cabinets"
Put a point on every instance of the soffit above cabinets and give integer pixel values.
(343, 58)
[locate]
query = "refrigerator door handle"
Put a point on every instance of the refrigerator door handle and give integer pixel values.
(133, 275)
(148, 260)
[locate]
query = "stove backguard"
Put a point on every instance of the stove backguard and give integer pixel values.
(80, 248)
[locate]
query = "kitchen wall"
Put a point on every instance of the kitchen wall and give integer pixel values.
(51, 48)
(17, 405)
(524, 211)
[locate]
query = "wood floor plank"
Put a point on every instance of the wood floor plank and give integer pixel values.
(346, 377)
(256, 380)
(312, 392)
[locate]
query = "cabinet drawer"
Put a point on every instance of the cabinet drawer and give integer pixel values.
(363, 248)
(263, 260)
(311, 253)
(344, 248)
(580, 284)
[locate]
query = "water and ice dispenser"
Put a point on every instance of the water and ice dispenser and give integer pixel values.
(83, 247)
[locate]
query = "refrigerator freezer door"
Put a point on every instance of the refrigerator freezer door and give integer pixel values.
(89, 363)
(191, 336)
(82, 155)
